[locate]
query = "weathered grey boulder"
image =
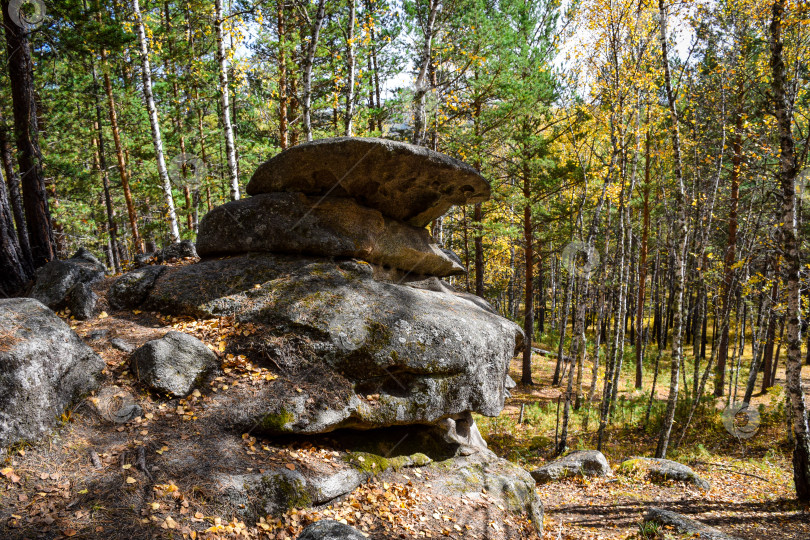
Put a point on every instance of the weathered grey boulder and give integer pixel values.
(578, 463)
(468, 476)
(277, 491)
(330, 226)
(82, 301)
(129, 290)
(44, 367)
(684, 525)
(55, 279)
(178, 250)
(173, 364)
(405, 182)
(328, 529)
(142, 259)
(426, 355)
(663, 470)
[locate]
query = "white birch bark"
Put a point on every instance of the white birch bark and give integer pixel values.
(157, 141)
(311, 49)
(225, 117)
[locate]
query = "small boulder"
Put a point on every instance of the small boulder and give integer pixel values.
(328, 529)
(82, 301)
(663, 470)
(275, 492)
(143, 259)
(129, 290)
(173, 364)
(503, 482)
(408, 183)
(179, 250)
(684, 525)
(95, 335)
(578, 463)
(57, 278)
(44, 368)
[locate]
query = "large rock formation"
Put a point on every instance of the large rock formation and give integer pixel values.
(330, 265)
(405, 182)
(425, 355)
(44, 367)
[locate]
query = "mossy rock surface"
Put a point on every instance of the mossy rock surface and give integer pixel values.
(663, 471)
(577, 463)
(390, 354)
(501, 480)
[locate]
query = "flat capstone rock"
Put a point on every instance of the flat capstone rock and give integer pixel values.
(408, 183)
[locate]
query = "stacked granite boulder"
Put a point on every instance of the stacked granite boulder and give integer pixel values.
(368, 199)
(331, 259)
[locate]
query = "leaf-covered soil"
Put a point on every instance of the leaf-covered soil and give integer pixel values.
(752, 494)
(157, 475)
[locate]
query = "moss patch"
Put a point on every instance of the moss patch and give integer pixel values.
(277, 422)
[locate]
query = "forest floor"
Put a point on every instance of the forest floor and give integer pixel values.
(160, 474)
(54, 490)
(752, 494)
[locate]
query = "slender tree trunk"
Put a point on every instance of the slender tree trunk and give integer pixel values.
(642, 264)
(157, 141)
(14, 196)
(679, 240)
(421, 85)
(792, 262)
(29, 157)
(770, 334)
(478, 242)
(283, 130)
(119, 155)
(310, 60)
(375, 69)
(14, 272)
(528, 247)
(227, 128)
(350, 68)
(731, 253)
(112, 225)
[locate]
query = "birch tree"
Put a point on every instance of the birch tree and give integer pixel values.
(312, 48)
(224, 102)
(790, 251)
(154, 122)
(679, 242)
